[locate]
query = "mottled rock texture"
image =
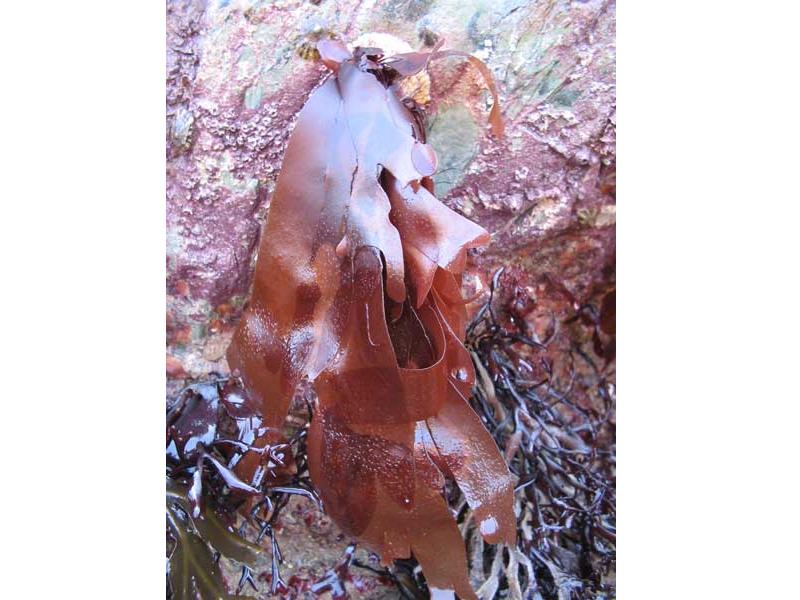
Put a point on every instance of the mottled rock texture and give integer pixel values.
(239, 71)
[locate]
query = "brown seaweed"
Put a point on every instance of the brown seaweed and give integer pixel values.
(358, 289)
(226, 472)
(192, 570)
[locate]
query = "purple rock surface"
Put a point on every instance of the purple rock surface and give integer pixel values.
(238, 72)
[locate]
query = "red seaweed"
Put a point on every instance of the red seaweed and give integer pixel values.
(358, 288)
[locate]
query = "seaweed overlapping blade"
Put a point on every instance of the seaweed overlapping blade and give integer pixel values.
(358, 288)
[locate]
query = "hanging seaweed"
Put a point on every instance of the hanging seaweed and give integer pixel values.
(358, 289)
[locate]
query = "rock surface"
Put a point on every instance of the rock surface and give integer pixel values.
(239, 71)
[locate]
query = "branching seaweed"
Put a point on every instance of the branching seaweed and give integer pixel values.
(558, 438)
(226, 474)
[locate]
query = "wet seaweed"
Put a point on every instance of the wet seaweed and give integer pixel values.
(550, 408)
(357, 289)
(228, 479)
